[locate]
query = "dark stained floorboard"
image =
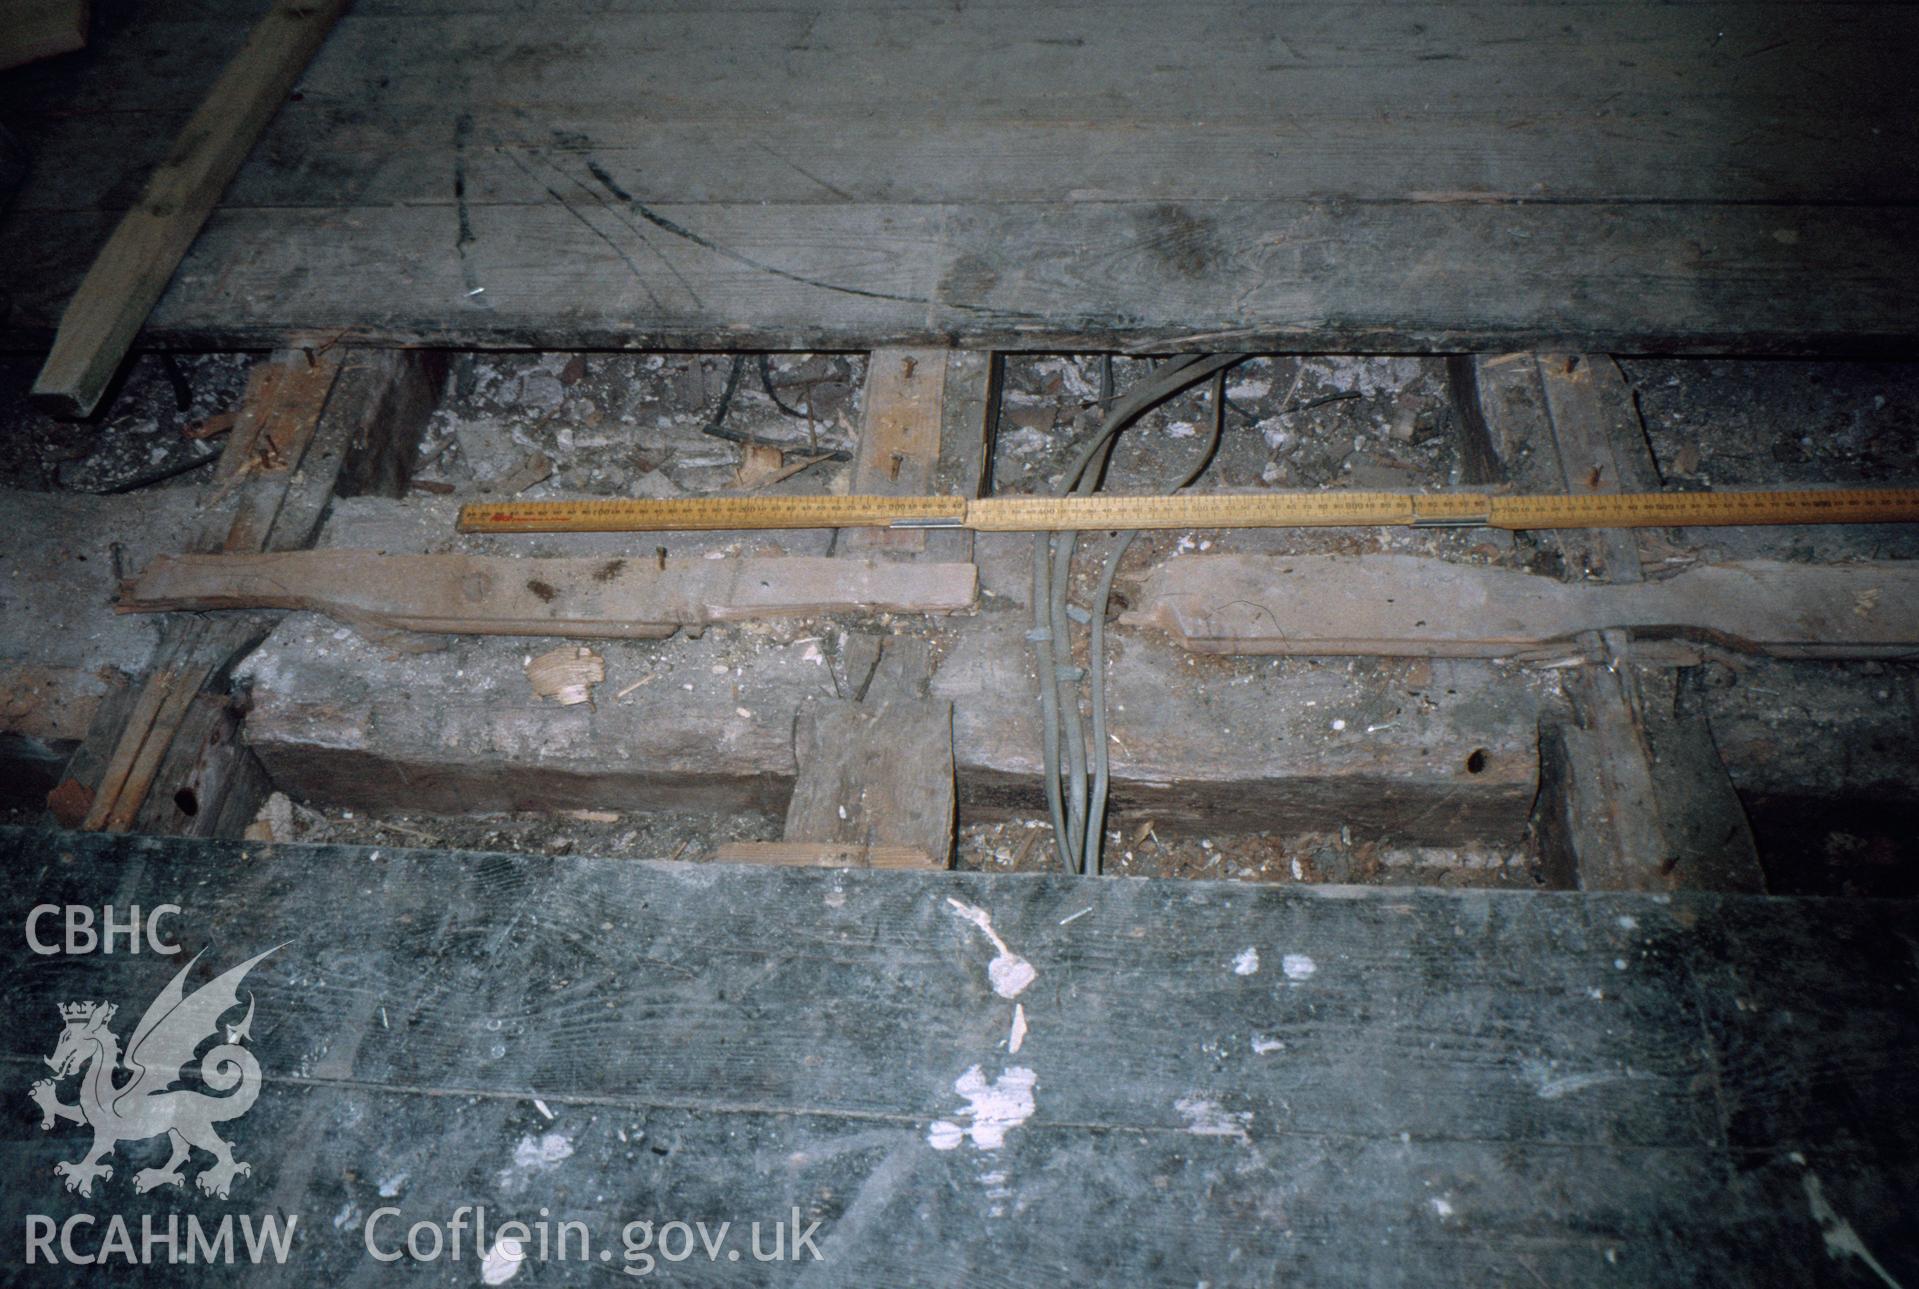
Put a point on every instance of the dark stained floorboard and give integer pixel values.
(1380, 176)
(1467, 1087)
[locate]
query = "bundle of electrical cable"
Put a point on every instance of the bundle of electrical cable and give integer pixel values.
(1077, 808)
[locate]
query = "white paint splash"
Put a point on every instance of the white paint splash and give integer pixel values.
(1247, 963)
(1553, 1089)
(534, 1155)
(995, 1109)
(541, 1152)
(1298, 966)
(1017, 1037)
(1551, 1086)
(1207, 1118)
(502, 1262)
(997, 1192)
(1841, 1240)
(1009, 973)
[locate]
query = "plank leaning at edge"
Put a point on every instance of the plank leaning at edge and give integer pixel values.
(134, 267)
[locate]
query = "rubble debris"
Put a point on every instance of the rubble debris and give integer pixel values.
(536, 468)
(274, 822)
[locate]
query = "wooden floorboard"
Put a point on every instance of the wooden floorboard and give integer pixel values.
(1412, 1087)
(1361, 176)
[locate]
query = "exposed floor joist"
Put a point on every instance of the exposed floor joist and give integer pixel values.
(1633, 794)
(168, 760)
(874, 787)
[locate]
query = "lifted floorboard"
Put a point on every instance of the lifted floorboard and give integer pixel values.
(1373, 176)
(1414, 1087)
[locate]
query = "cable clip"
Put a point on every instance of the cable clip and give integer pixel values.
(1483, 519)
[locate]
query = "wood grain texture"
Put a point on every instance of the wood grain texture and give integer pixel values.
(176, 762)
(195, 657)
(133, 268)
(1382, 175)
(1616, 819)
(1470, 1087)
(572, 598)
(277, 424)
(1411, 605)
(901, 414)
(387, 396)
(823, 854)
(1592, 424)
(876, 769)
(1633, 794)
(214, 783)
(877, 773)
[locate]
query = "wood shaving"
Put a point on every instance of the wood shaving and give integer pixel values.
(566, 675)
(758, 464)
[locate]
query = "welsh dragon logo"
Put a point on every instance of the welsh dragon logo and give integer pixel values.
(147, 1104)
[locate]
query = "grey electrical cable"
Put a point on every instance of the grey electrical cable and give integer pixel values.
(1052, 568)
(1072, 726)
(1096, 643)
(1043, 666)
(1052, 575)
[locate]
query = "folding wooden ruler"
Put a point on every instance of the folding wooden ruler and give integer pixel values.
(1202, 510)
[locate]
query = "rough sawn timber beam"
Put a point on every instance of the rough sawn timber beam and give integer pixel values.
(876, 768)
(1418, 606)
(306, 420)
(1633, 794)
(901, 416)
(572, 598)
(713, 718)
